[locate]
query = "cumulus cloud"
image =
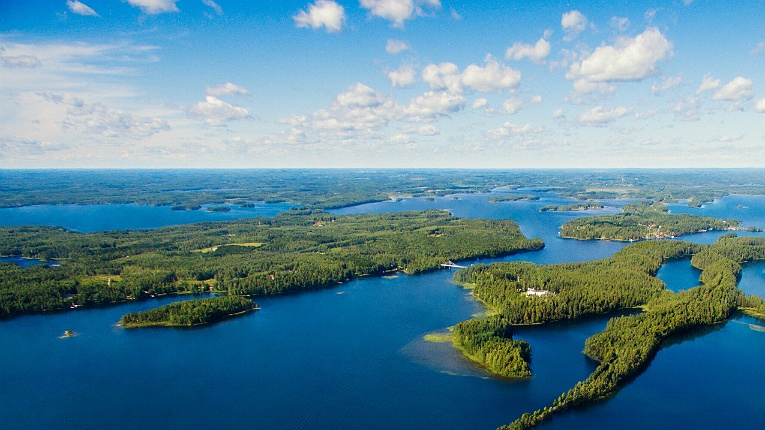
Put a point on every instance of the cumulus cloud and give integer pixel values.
(433, 105)
(646, 114)
(357, 113)
(559, 113)
(403, 77)
(227, 89)
(667, 83)
(214, 111)
(80, 8)
(738, 88)
(759, 106)
(396, 46)
(599, 115)
(494, 77)
(480, 103)
(323, 13)
(100, 119)
(573, 23)
(214, 6)
(512, 105)
(536, 99)
(155, 7)
(707, 84)
(398, 11)
(630, 59)
(536, 53)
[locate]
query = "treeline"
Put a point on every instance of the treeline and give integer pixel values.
(297, 250)
(642, 220)
(189, 313)
(628, 343)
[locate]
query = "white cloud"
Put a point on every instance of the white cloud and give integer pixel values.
(433, 105)
(536, 99)
(650, 14)
(403, 77)
(80, 8)
(480, 103)
(583, 86)
(107, 122)
(155, 7)
(599, 115)
(573, 23)
(214, 6)
(512, 105)
(667, 83)
(427, 130)
(323, 13)
(630, 59)
(646, 114)
(214, 111)
(358, 113)
(455, 15)
(494, 77)
(509, 130)
(738, 88)
(559, 113)
(536, 53)
(442, 77)
(227, 89)
(398, 11)
(759, 106)
(708, 83)
(396, 46)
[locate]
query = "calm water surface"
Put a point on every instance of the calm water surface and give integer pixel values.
(353, 357)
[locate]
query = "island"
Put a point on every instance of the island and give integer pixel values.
(190, 312)
(643, 220)
(219, 209)
(294, 251)
(513, 198)
(578, 290)
(572, 207)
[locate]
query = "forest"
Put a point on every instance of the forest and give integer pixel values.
(189, 313)
(297, 250)
(572, 207)
(626, 280)
(643, 220)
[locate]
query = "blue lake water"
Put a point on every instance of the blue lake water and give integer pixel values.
(354, 357)
(90, 218)
(26, 262)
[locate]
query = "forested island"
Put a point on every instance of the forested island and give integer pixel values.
(189, 313)
(297, 250)
(643, 220)
(513, 198)
(626, 280)
(572, 207)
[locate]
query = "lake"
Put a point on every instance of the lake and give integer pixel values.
(353, 356)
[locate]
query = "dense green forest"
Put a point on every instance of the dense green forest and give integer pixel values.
(328, 188)
(294, 251)
(622, 281)
(642, 220)
(189, 313)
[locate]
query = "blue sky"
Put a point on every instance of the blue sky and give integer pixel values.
(381, 83)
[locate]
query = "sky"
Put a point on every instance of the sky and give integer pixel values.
(381, 84)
